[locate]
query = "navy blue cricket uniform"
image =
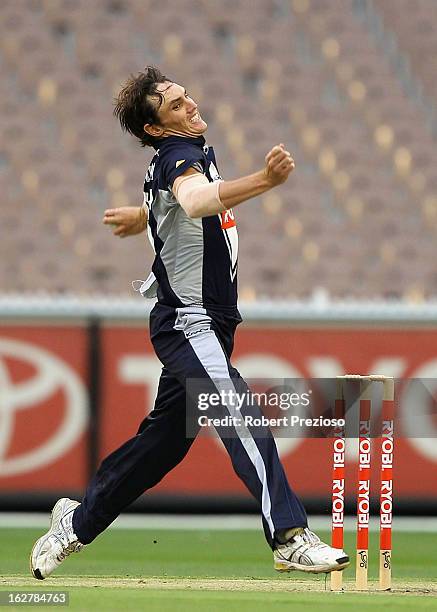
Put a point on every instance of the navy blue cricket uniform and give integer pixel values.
(192, 326)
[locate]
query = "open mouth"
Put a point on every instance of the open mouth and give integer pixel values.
(195, 118)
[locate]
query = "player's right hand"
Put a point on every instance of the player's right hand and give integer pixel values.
(279, 164)
(126, 220)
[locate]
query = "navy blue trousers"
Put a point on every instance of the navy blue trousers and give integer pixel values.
(192, 344)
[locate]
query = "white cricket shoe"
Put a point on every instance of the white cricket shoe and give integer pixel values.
(60, 540)
(307, 553)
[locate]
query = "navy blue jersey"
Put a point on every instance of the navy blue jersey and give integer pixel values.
(195, 259)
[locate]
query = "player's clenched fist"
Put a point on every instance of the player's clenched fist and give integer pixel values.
(279, 164)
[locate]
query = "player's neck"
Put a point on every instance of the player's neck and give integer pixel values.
(182, 134)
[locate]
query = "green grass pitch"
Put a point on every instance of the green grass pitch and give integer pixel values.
(213, 571)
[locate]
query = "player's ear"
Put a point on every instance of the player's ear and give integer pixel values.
(153, 130)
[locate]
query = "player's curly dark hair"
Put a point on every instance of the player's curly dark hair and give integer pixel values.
(133, 106)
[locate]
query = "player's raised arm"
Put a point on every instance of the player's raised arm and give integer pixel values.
(127, 221)
(279, 164)
(199, 198)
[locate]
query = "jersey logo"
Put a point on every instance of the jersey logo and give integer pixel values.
(178, 163)
(229, 229)
(228, 219)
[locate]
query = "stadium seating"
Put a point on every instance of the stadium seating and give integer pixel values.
(357, 219)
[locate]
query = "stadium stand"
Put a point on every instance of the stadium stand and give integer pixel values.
(358, 219)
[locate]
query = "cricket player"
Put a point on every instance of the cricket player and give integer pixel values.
(188, 212)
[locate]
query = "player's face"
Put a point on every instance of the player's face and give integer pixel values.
(178, 113)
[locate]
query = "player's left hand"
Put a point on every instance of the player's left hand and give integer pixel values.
(127, 221)
(279, 164)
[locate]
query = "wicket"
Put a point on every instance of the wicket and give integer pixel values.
(363, 493)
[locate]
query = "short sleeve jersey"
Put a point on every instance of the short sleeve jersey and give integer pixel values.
(195, 259)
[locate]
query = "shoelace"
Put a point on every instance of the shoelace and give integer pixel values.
(310, 538)
(73, 547)
(304, 541)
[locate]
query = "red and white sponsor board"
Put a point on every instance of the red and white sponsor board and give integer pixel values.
(43, 408)
(43, 404)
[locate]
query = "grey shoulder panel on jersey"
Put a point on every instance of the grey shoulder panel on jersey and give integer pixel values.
(182, 253)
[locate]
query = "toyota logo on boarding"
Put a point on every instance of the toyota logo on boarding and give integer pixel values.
(52, 374)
